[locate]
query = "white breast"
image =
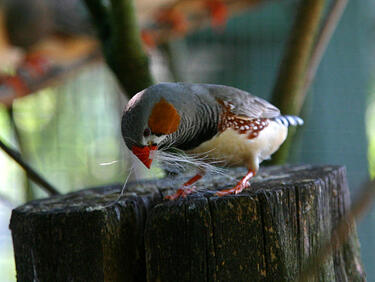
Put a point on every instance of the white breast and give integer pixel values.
(236, 149)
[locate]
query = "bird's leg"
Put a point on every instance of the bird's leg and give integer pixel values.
(183, 192)
(244, 183)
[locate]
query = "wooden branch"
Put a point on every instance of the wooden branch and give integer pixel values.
(293, 68)
(286, 93)
(30, 172)
(320, 47)
(121, 44)
(294, 79)
(27, 185)
(266, 233)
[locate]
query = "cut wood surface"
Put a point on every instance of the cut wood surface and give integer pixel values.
(265, 233)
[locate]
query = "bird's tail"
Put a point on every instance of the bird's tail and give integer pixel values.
(289, 120)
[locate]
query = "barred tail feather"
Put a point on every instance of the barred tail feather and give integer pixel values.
(289, 120)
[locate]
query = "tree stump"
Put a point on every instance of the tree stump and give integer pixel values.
(265, 233)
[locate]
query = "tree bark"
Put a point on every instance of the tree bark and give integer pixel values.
(265, 233)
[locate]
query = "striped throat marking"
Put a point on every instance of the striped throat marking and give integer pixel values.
(242, 125)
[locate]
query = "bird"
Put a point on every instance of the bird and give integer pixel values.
(226, 124)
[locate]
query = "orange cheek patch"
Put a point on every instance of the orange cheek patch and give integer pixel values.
(164, 118)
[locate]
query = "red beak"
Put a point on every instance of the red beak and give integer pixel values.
(143, 154)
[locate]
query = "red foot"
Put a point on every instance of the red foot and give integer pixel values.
(235, 190)
(244, 183)
(182, 192)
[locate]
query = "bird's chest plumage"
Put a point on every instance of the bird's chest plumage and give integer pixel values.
(243, 142)
(240, 140)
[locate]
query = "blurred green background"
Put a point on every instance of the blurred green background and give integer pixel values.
(68, 132)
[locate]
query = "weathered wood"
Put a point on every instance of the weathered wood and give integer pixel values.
(84, 236)
(264, 233)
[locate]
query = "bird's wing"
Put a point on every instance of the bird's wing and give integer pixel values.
(242, 103)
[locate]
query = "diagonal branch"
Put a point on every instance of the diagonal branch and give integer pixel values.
(286, 93)
(297, 73)
(321, 45)
(31, 173)
(293, 68)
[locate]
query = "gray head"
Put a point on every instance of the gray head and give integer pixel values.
(149, 117)
(183, 113)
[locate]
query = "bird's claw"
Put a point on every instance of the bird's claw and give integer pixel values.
(235, 190)
(182, 192)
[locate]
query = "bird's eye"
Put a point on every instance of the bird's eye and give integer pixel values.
(147, 132)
